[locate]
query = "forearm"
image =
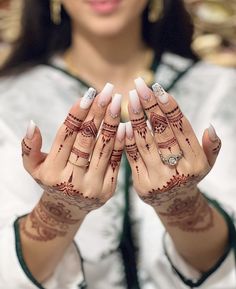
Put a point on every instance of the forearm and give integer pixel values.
(46, 233)
(198, 231)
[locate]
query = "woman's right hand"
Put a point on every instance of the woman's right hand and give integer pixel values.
(82, 166)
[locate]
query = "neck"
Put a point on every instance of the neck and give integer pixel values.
(114, 59)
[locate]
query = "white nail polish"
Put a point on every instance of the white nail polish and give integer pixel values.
(160, 93)
(88, 98)
(121, 132)
(134, 101)
(115, 105)
(212, 133)
(30, 130)
(105, 95)
(142, 88)
(129, 130)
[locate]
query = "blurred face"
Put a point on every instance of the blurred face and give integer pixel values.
(104, 17)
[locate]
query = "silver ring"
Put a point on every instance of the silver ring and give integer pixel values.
(171, 160)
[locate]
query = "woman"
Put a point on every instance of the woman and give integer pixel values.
(80, 194)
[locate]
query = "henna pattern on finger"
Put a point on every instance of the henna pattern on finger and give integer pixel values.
(191, 214)
(72, 124)
(167, 144)
(217, 148)
(80, 154)
(115, 159)
(25, 149)
(49, 220)
(158, 122)
(108, 132)
(132, 151)
(89, 129)
(140, 126)
(151, 107)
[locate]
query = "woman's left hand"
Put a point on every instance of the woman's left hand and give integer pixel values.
(166, 159)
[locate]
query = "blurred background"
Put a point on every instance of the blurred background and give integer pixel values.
(214, 21)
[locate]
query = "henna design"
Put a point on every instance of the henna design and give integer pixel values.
(217, 148)
(89, 129)
(80, 154)
(72, 124)
(50, 220)
(108, 132)
(140, 126)
(66, 192)
(132, 151)
(25, 148)
(151, 107)
(191, 214)
(175, 117)
(159, 123)
(157, 197)
(115, 159)
(167, 144)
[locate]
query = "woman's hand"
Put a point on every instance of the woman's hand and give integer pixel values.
(167, 160)
(82, 166)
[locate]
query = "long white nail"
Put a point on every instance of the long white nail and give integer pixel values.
(115, 105)
(105, 95)
(160, 93)
(30, 130)
(121, 132)
(142, 88)
(212, 133)
(88, 98)
(134, 101)
(129, 130)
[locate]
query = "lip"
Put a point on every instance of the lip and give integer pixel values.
(104, 6)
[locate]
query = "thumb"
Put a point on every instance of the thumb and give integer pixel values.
(211, 144)
(31, 148)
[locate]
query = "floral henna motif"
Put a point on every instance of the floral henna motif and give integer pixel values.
(72, 124)
(191, 214)
(159, 123)
(49, 220)
(115, 159)
(174, 187)
(89, 129)
(140, 126)
(25, 148)
(80, 154)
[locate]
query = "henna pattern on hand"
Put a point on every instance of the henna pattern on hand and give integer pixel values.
(72, 124)
(151, 107)
(25, 148)
(49, 220)
(115, 159)
(80, 154)
(167, 144)
(132, 151)
(140, 126)
(158, 122)
(191, 214)
(89, 129)
(108, 132)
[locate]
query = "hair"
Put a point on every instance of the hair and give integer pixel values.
(40, 38)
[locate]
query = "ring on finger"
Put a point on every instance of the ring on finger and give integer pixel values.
(171, 160)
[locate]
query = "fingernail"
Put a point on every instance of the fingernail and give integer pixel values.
(129, 130)
(88, 98)
(115, 105)
(105, 95)
(134, 101)
(160, 93)
(212, 133)
(30, 130)
(142, 88)
(121, 132)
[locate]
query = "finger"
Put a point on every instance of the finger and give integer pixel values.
(136, 162)
(67, 133)
(106, 140)
(211, 145)
(86, 137)
(111, 175)
(180, 126)
(163, 134)
(31, 148)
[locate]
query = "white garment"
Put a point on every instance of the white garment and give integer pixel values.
(206, 94)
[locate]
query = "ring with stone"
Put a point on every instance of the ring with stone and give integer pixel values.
(171, 160)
